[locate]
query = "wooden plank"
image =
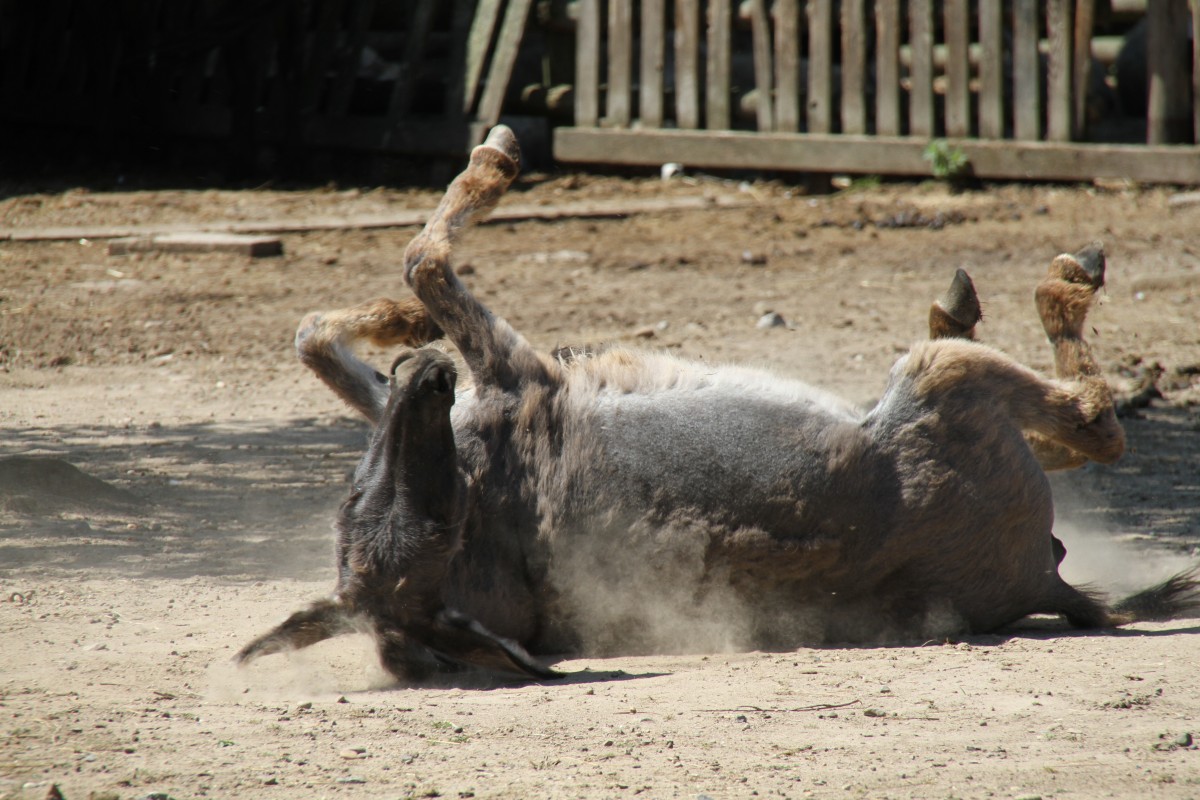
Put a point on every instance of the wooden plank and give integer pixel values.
(1026, 71)
(958, 89)
(650, 89)
(820, 66)
(1059, 84)
(717, 92)
(1081, 67)
(687, 63)
(887, 67)
(787, 65)
(618, 99)
(587, 64)
(854, 57)
(760, 32)
(1167, 115)
(920, 93)
(479, 43)
(878, 154)
(991, 69)
(507, 44)
(198, 242)
(405, 218)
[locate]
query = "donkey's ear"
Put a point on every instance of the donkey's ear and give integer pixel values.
(320, 621)
(456, 636)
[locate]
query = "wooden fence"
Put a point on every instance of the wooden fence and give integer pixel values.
(412, 77)
(862, 86)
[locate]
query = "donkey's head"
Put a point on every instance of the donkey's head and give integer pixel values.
(398, 532)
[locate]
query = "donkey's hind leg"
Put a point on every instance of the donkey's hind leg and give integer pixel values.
(494, 353)
(1063, 299)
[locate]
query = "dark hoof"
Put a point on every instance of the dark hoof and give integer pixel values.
(1091, 258)
(960, 301)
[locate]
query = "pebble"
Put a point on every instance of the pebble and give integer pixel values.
(351, 779)
(645, 332)
(354, 752)
(771, 319)
(1184, 740)
(1028, 797)
(753, 258)
(740, 718)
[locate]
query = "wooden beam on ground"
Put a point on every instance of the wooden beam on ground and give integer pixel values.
(198, 242)
(1042, 161)
(396, 219)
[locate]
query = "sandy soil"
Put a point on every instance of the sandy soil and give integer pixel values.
(210, 465)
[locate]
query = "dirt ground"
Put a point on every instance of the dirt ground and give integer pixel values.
(209, 464)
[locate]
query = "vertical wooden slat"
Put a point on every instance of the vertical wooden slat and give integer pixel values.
(1081, 68)
(958, 89)
(1195, 70)
(991, 69)
(1167, 115)
(687, 63)
(887, 67)
(716, 106)
(507, 44)
(920, 98)
(420, 22)
(587, 64)
(325, 33)
(348, 57)
(460, 33)
(650, 90)
(1026, 77)
(1058, 80)
(787, 65)
(479, 41)
(820, 65)
(760, 30)
(854, 55)
(618, 101)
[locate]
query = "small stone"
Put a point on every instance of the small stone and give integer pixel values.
(645, 332)
(354, 752)
(1183, 740)
(740, 718)
(771, 319)
(272, 781)
(754, 258)
(874, 712)
(1028, 797)
(351, 779)
(465, 269)
(343, 699)
(304, 706)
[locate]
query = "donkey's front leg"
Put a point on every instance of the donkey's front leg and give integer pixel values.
(495, 354)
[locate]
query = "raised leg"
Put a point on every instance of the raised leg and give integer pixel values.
(325, 342)
(495, 354)
(1063, 299)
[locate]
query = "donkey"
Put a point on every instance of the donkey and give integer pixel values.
(629, 501)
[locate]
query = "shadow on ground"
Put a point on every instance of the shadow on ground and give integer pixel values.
(245, 501)
(254, 501)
